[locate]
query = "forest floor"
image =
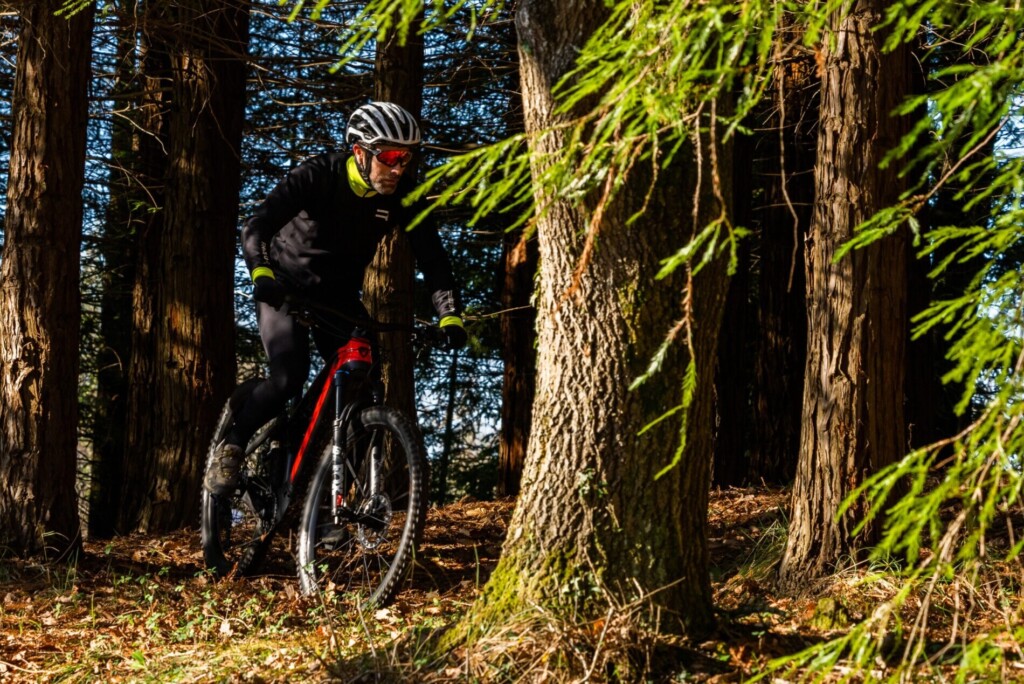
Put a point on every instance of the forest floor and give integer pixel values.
(142, 609)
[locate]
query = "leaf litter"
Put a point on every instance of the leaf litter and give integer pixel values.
(142, 608)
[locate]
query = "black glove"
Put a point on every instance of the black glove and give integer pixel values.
(266, 289)
(455, 334)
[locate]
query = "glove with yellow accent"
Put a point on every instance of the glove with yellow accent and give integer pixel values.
(454, 332)
(265, 287)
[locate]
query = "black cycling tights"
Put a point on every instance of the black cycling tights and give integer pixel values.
(286, 342)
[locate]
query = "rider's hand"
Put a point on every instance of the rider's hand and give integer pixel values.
(454, 332)
(266, 289)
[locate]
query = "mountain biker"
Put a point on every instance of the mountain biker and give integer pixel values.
(314, 235)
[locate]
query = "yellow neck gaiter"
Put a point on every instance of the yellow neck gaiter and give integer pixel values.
(355, 180)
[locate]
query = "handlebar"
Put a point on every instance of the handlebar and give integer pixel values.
(320, 315)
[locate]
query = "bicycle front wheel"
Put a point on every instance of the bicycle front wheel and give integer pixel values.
(360, 541)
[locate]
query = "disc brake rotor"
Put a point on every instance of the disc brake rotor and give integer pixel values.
(377, 506)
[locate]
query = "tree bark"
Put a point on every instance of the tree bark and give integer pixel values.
(853, 393)
(788, 148)
(592, 518)
(517, 339)
(125, 217)
(39, 279)
(183, 345)
(388, 285)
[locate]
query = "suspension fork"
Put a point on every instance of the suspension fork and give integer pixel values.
(341, 420)
(376, 456)
(340, 465)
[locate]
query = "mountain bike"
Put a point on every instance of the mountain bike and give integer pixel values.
(365, 504)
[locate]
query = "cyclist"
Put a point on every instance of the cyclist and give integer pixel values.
(314, 235)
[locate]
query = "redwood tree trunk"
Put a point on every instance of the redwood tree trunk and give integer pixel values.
(853, 393)
(520, 356)
(183, 357)
(590, 506)
(125, 217)
(788, 149)
(388, 286)
(39, 278)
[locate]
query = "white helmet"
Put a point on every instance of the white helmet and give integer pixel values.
(382, 122)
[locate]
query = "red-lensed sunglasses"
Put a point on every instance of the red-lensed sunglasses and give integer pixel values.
(391, 158)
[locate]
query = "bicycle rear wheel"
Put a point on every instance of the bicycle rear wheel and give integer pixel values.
(366, 551)
(236, 530)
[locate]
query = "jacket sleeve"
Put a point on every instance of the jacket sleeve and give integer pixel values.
(432, 260)
(293, 194)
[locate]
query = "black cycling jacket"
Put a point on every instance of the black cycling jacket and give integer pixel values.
(318, 235)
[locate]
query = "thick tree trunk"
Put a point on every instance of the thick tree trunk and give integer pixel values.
(183, 357)
(592, 517)
(853, 394)
(388, 286)
(151, 166)
(124, 221)
(788, 152)
(520, 357)
(762, 351)
(39, 278)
